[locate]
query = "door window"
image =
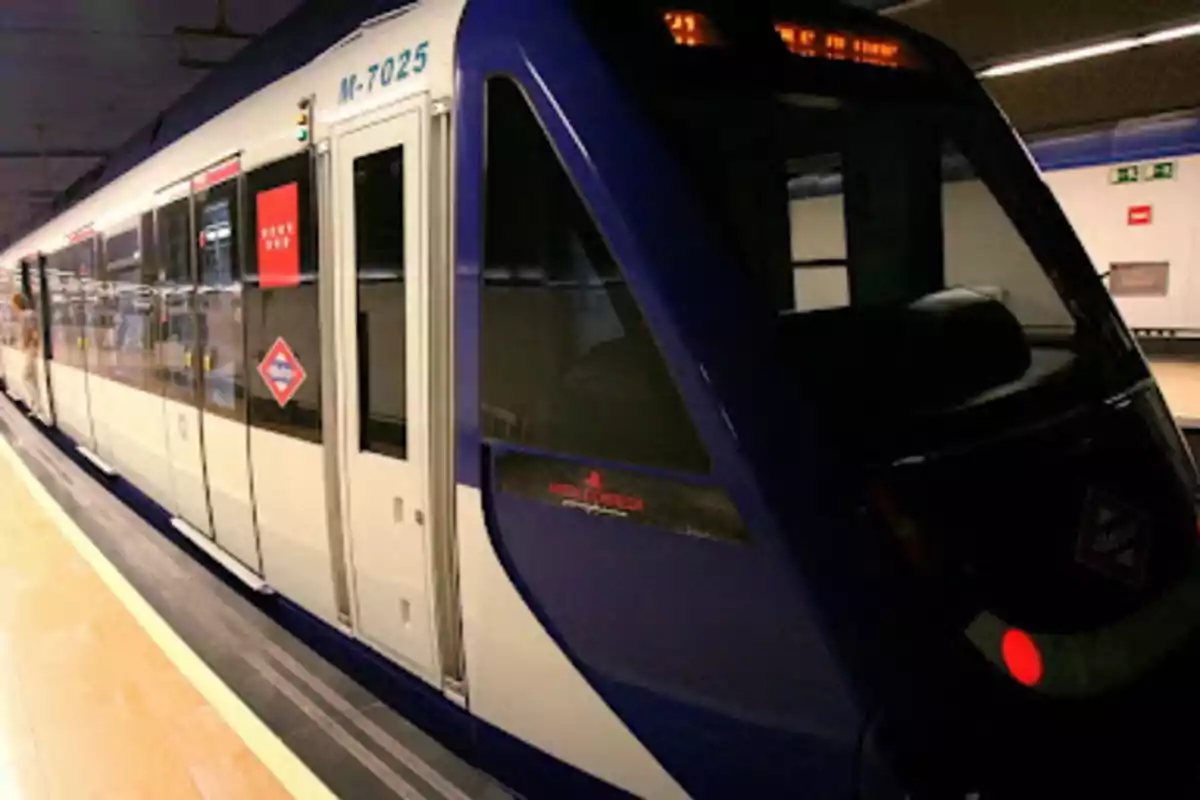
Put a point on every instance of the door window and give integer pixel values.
(129, 306)
(178, 345)
(382, 317)
(219, 303)
(568, 361)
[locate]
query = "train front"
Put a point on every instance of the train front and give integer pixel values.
(964, 518)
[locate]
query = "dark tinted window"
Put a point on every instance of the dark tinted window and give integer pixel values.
(379, 250)
(177, 293)
(219, 300)
(281, 294)
(568, 362)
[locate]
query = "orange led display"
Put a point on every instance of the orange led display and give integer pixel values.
(839, 45)
(690, 29)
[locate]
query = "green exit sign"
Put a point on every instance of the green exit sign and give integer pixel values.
(1127, 174)
(1151, 171)
(1161, 171)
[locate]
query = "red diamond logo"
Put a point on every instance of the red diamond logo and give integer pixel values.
(282, 372)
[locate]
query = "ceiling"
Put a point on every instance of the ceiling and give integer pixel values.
(1132, 84)
(80, 77)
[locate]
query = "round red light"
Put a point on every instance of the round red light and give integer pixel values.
(1022, 657)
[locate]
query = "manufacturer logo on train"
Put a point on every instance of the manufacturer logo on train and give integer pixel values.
(593, 498)
(282, 372)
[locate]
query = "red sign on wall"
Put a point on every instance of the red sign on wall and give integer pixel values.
(1140, 215)
(279, 236)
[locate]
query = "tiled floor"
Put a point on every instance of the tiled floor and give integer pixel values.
(90, 707)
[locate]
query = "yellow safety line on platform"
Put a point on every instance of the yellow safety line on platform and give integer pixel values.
(292, 773)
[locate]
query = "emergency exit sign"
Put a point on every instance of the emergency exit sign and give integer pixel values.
(1126, 174)
(1143, 173)
(1162, 171)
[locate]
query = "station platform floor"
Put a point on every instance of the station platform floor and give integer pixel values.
(1179, 379)
(128, 669)
(90, 704)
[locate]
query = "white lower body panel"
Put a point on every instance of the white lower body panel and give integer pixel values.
(101, 404)
(131, 422)
(72, 415)
(226, 451)
(187, 463)
(289, 494)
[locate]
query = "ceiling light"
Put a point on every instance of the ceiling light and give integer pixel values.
(1091, 51)
(1171, 34)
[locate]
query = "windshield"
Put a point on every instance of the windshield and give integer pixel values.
(841, 203)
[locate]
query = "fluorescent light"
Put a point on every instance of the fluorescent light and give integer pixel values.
(1171, 34)
(1091, 51)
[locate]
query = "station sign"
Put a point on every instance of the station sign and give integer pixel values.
(1143, 173)
(282, 372)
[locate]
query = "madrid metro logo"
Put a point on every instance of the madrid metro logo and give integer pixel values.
(594, 498)
(282, 372)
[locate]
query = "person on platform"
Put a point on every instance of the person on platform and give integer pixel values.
(31, 346)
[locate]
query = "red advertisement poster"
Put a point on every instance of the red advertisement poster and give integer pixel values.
(279, 236)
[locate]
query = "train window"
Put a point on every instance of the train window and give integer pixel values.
(57, 324)
(281, 292)
(875, 220)
(219, 301)
(820, 270)
(66, 272)
(103, 304)
(568, 361)
(379, 254)
(129, 303)
(88, 308)
(178, 355)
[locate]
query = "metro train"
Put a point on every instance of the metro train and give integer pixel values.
(700, 400)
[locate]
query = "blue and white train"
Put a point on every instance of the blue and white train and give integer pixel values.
(705, 400)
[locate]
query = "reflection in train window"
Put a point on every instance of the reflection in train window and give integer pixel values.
(281, 291)
(568, 362)
(219, 303)
(178, 344)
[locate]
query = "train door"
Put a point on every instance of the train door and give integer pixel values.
(179, 358)
(381, 330)
(215, 210)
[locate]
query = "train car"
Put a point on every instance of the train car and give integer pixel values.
(702, 401)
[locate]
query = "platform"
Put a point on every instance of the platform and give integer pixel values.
(1179, 379)
(130, 669)
(91, 705)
